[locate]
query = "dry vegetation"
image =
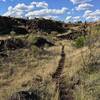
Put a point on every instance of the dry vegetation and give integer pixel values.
(30, 69)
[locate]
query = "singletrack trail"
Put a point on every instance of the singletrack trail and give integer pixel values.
(65, 91)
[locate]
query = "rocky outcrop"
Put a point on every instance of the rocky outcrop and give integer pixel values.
(41, 42)
(46, 25)
(24, 95)
(23, 26)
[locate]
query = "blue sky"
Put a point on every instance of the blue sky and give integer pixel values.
(65, 10)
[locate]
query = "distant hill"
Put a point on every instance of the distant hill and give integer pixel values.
(23, 26)
(8, 24)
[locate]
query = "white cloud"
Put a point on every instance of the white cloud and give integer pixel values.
(72, 19)
(18, 10)
(22, 10)
(40, 4)
(92, 15)
(84, 6)
(50, 17)
(68, 18)
(46, 17)
(76, 18)
(87, 12)
(47, 11)
(79, 1)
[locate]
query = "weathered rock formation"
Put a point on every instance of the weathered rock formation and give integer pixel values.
(23, 26)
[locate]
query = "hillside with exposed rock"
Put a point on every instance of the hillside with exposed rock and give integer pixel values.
(44, 59)
(24, 26)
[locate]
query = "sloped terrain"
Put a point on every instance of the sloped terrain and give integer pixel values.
(24, 26)
(46, 66)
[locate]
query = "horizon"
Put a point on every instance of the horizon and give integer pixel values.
(62, 10)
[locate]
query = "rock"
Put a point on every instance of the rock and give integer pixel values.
(41, 42)
(24, 95)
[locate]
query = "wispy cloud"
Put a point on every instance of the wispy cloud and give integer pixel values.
(43, 12)
(84, 6)
(18, 10)
(79, 1)
(92, 15)
(23, 10)
(72, 18)
(40, 4)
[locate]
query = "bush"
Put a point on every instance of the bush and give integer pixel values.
(32, 38)
(36, 51)
(80, 41)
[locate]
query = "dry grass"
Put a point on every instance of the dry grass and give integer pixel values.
(21, 68)
(24, 71)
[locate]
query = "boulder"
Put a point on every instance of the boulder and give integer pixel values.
(41, 42)
(24, 95)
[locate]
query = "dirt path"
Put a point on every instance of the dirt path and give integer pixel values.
(65, 91)
(56, 75)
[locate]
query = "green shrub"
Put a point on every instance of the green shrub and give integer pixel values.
(35, 50)
(80, 41)
(32, 38)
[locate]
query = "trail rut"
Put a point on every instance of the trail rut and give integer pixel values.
(65, 90)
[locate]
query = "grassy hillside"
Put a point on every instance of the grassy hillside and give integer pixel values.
(42, 66)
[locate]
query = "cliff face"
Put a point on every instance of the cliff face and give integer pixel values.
(23, 26)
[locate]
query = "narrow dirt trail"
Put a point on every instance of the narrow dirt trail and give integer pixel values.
(56, 75)
(65, 91)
